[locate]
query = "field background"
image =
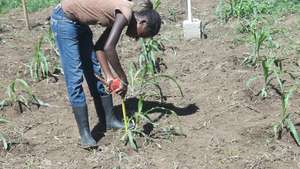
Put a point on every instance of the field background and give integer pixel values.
(226, 124)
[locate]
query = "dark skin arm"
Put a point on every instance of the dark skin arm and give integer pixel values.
(111, 53)
(99, 47)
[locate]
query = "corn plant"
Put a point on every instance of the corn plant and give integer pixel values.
(242, 8)
(286, 116)
(274, 72)
(258, 38)
(144, 81)
(39, 67)
(147, 57)
(49, 38)
(3, 138)
(143, 84)
(19, 93)
(131, 134)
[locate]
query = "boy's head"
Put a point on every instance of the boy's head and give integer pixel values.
(145, 23)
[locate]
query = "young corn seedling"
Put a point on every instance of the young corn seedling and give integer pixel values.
(39, 67)
(272, 67)
(56, 66)
(259, 37)
(19, 93)
(285, 117)
(143, 84)
(147, 57)
(3, 138)
(49, 38)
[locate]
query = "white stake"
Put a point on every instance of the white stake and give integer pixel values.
(189, 8)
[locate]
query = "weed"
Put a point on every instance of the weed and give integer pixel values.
(172, 14)
(19, 93)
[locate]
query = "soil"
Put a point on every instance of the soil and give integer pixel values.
(224, 124)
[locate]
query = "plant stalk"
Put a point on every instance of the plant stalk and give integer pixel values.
(125, 115)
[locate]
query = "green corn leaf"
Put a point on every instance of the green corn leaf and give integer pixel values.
(286, 97)
(248, 82)
(132, 141)
(276, 130)
(3, 120)
(24, 86)
(264, 92)
(293, 130)
(3, 103)
(172, 79)
(4, 141)
(266, 69)
(146, 118)
(140, 105)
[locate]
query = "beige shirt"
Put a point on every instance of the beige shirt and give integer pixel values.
(97, 11)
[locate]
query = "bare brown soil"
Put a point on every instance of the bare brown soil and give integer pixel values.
(225, 124)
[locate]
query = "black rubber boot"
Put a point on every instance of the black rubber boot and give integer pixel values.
(81, 117)
(105, 110)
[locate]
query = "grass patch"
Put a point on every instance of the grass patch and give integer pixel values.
(32, 5)
(249, 9)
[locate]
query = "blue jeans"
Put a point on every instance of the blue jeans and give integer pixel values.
(78, 58)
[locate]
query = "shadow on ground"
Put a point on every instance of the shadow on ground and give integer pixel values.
(157, 107)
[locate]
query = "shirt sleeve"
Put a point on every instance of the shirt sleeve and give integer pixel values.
(126, 10)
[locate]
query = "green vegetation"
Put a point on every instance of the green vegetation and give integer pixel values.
(3, 138)
(250, 9)
(144, 83)
(44, 62)
(19, 93)
(39, 67)
(280, 71)
(32, 5)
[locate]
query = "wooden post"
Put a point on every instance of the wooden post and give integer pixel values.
(25, 14)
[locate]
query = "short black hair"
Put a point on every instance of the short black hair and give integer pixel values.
(154, 21)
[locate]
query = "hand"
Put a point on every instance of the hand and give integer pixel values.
(114, 85)
(111, 83)
(122, 90)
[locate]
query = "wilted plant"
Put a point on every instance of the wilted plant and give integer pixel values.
(20, 93)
